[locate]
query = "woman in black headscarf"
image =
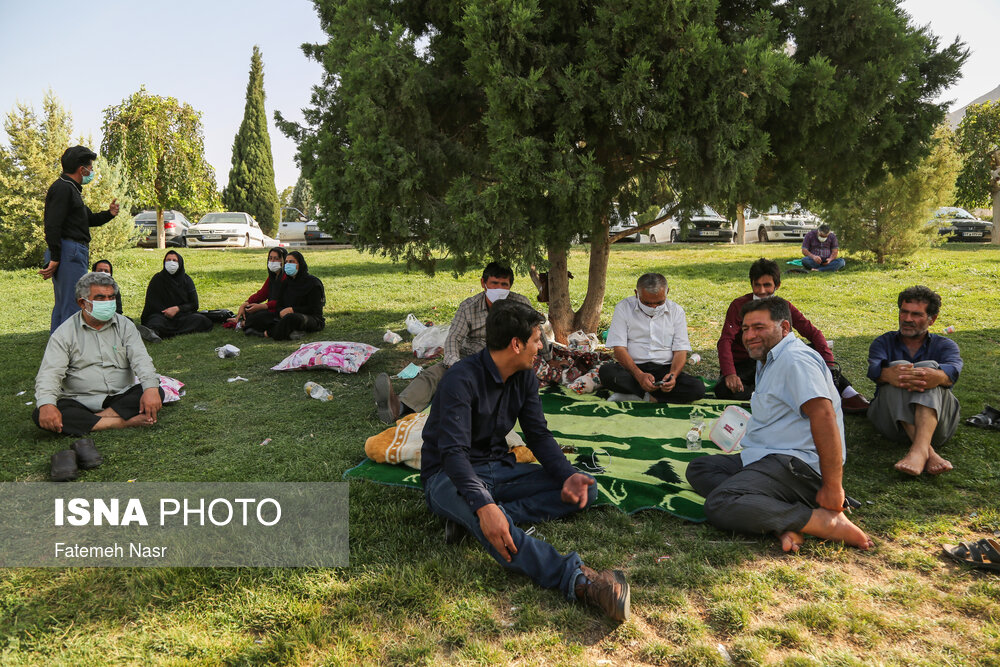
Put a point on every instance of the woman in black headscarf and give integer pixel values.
(265, 300)
(104, 266)
(172, 301)
(301, 298)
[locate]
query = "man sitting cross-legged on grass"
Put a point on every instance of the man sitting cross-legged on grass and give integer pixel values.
(472, 480)
(466, 335)
(85, 381)
(787, 479)
(915, 371)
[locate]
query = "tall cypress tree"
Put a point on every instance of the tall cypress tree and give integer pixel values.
(251, 185)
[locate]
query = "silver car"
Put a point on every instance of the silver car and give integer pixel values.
(175, 227)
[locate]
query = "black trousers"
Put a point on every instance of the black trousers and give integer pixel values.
(280, 328)
(78, 420)
(772, 495)
(747, 372)
(182, 323)
(688, 388)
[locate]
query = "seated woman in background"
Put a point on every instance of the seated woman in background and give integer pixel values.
(266, 298)
(172, 301)
(104, 266)
(301, 298)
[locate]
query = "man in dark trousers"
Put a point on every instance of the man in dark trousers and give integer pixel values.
(473, 481)
(67, 230)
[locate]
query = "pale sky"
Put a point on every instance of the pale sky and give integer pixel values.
(93, 55)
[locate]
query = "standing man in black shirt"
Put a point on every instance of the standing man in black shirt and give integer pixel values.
(473, 481)
(67, 230)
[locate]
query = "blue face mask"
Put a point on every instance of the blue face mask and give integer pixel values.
(102, 310)
(88, 178)
(291, 269)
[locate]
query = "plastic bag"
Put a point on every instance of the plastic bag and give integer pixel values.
(578, 341)
(430, 342)
(413, 325)
(730, 427)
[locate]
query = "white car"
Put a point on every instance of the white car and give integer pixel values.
(219, 230)
(706, 225)
(779, 225)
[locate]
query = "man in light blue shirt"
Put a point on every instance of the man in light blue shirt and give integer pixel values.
(788, 478)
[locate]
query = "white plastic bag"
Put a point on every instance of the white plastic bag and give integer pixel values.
(430, 342)
(413, 325)
(730, 427)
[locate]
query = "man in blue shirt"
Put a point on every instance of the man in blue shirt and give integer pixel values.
(788, 478)
(472, 480)
(914, 372)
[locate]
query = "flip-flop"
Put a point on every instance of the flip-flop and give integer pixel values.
(988, 418)
(984, 554)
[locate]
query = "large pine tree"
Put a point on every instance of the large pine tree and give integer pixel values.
(251, 185)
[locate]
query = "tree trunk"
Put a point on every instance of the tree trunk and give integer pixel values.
(741, 224)
(161, 234)
(560, 308)
(589, 316)
(561, 315)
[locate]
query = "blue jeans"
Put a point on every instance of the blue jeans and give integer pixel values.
(74, 262)
(834, 265)
(526, 494)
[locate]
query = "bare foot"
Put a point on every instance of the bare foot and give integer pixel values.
(937, 465)
(913, 463)
(791, 541)
(835, 526)
(139, 420)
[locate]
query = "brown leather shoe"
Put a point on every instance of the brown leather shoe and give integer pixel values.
(607, 590)
(855, 405)
(386, 401)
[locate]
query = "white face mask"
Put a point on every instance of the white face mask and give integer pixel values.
(171, 266)
(495, 295)
(652, 311)
(274, 267)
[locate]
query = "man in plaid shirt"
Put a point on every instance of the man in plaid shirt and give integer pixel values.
(467, 335)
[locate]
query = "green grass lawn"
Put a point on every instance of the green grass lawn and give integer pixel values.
(409, 599)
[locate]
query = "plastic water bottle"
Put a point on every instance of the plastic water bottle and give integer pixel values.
(693, 436)
(694, 358)
(318, 391)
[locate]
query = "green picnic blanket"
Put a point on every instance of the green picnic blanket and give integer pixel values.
(635, 451)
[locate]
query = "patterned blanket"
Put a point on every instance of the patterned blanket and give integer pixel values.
(636, 451)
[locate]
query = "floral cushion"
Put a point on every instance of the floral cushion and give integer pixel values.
(335, 355)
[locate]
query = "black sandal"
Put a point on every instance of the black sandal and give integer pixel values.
(988, 418)
(984, 554)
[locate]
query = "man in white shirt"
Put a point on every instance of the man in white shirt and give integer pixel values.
(650, 340)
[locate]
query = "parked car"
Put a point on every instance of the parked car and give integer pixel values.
(960, 225)
(779, 224)
(316, 236)
(294, 230)
(702, 224)
(621, 224)
(175, 227)
(217, 230)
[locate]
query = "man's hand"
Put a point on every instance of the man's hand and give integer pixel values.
(921, 379)
(171, 311)
(150, 403)
(816, 258)
(831, 497)
(493, 523)
(286, 311)
(49, 270)
(893, 374)
(113, 208)
(646, 381)
(734, 383)
(826, 261)
(574, 490)
(668, 382)
(254, 307)
(50, 418)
